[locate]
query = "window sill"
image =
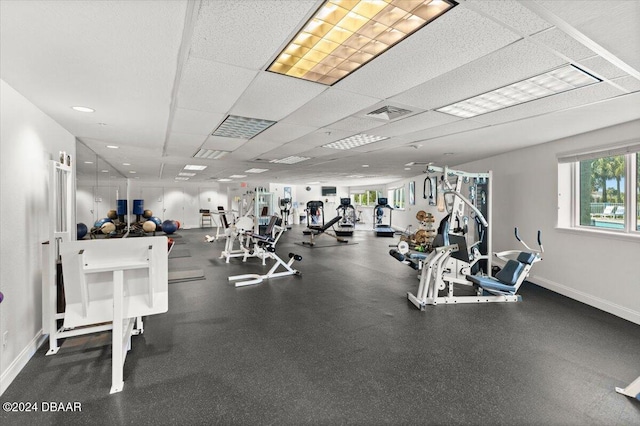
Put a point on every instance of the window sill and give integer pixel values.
(598, 233)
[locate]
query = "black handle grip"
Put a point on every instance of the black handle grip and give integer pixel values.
(517, 235)
(539, 237)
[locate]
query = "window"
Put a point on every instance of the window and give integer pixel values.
(606, 190)
(367, 198)
(397, 197)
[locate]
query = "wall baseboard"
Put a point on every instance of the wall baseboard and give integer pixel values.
(596, 302)
(21, 361)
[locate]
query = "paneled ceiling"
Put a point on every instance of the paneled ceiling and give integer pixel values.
(162, 76)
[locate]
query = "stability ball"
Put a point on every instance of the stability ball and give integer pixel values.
(101, 222)
(81, 230)
(147, 214)
(107, 228)
(169, 226)
(149, 226)
(155, 220)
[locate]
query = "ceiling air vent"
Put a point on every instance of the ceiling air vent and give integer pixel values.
(388, 113)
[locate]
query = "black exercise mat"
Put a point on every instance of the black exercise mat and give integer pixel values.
(185, 275)
(176, 253)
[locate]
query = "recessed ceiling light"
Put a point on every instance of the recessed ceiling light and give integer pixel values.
(291, 160)
(104, 171)
(355, 176)
(354, 141)
(88, 162)
(132, 171)
(235, 126)
(553, 82)
(186, 174)
(256, 170)
(194, 167)
(344, 35)
(411, 163)
(210, 154)
(237, 176)
(112, 147)
(181, 178)
(365, 165)
(126, 164)
(407, 168)
(224, 180)
(82, 109)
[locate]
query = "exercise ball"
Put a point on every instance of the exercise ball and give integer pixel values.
(107, 228)
(101, 222)
(147, 214)
(149, 226)
(1, 297)
(155, 220)
(81, 230)
(112, 214)
(169, 226)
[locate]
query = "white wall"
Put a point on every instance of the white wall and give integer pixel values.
(28, 140)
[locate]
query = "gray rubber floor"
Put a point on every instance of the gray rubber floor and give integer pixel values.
(341, 345)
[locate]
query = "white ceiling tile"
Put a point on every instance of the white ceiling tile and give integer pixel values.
(457, 37)
(283, 133)
(515, 62)
(328, 107)
(212, 86)
(415, 123)
(601, 68)
(223, 144)
(356, 124)
(576, 12)
(628, 83)
(571, 99)
(510, 13)
(247, 33)
(195, 122)
(253, 149)
(272, 96)
(618, 31)
(563, 44)
(185, 144)
(460, 126)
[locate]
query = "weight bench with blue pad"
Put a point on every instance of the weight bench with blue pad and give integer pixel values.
(315, 231)
(509, 279)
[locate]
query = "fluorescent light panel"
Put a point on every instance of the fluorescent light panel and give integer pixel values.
(256, 170)
(210, 154)
(194, 167)
(290, 160)
(343, 35)
(181, 178)
(238, 127)
(354, 141)
(553, 82)
(237, 176)
(186, 174)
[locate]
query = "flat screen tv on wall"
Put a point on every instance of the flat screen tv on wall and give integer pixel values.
(328, 190)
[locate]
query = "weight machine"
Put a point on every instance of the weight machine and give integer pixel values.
(264, 247)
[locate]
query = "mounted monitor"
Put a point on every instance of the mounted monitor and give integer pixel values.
(329, 190)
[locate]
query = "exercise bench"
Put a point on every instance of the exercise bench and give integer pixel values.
(316, 231)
